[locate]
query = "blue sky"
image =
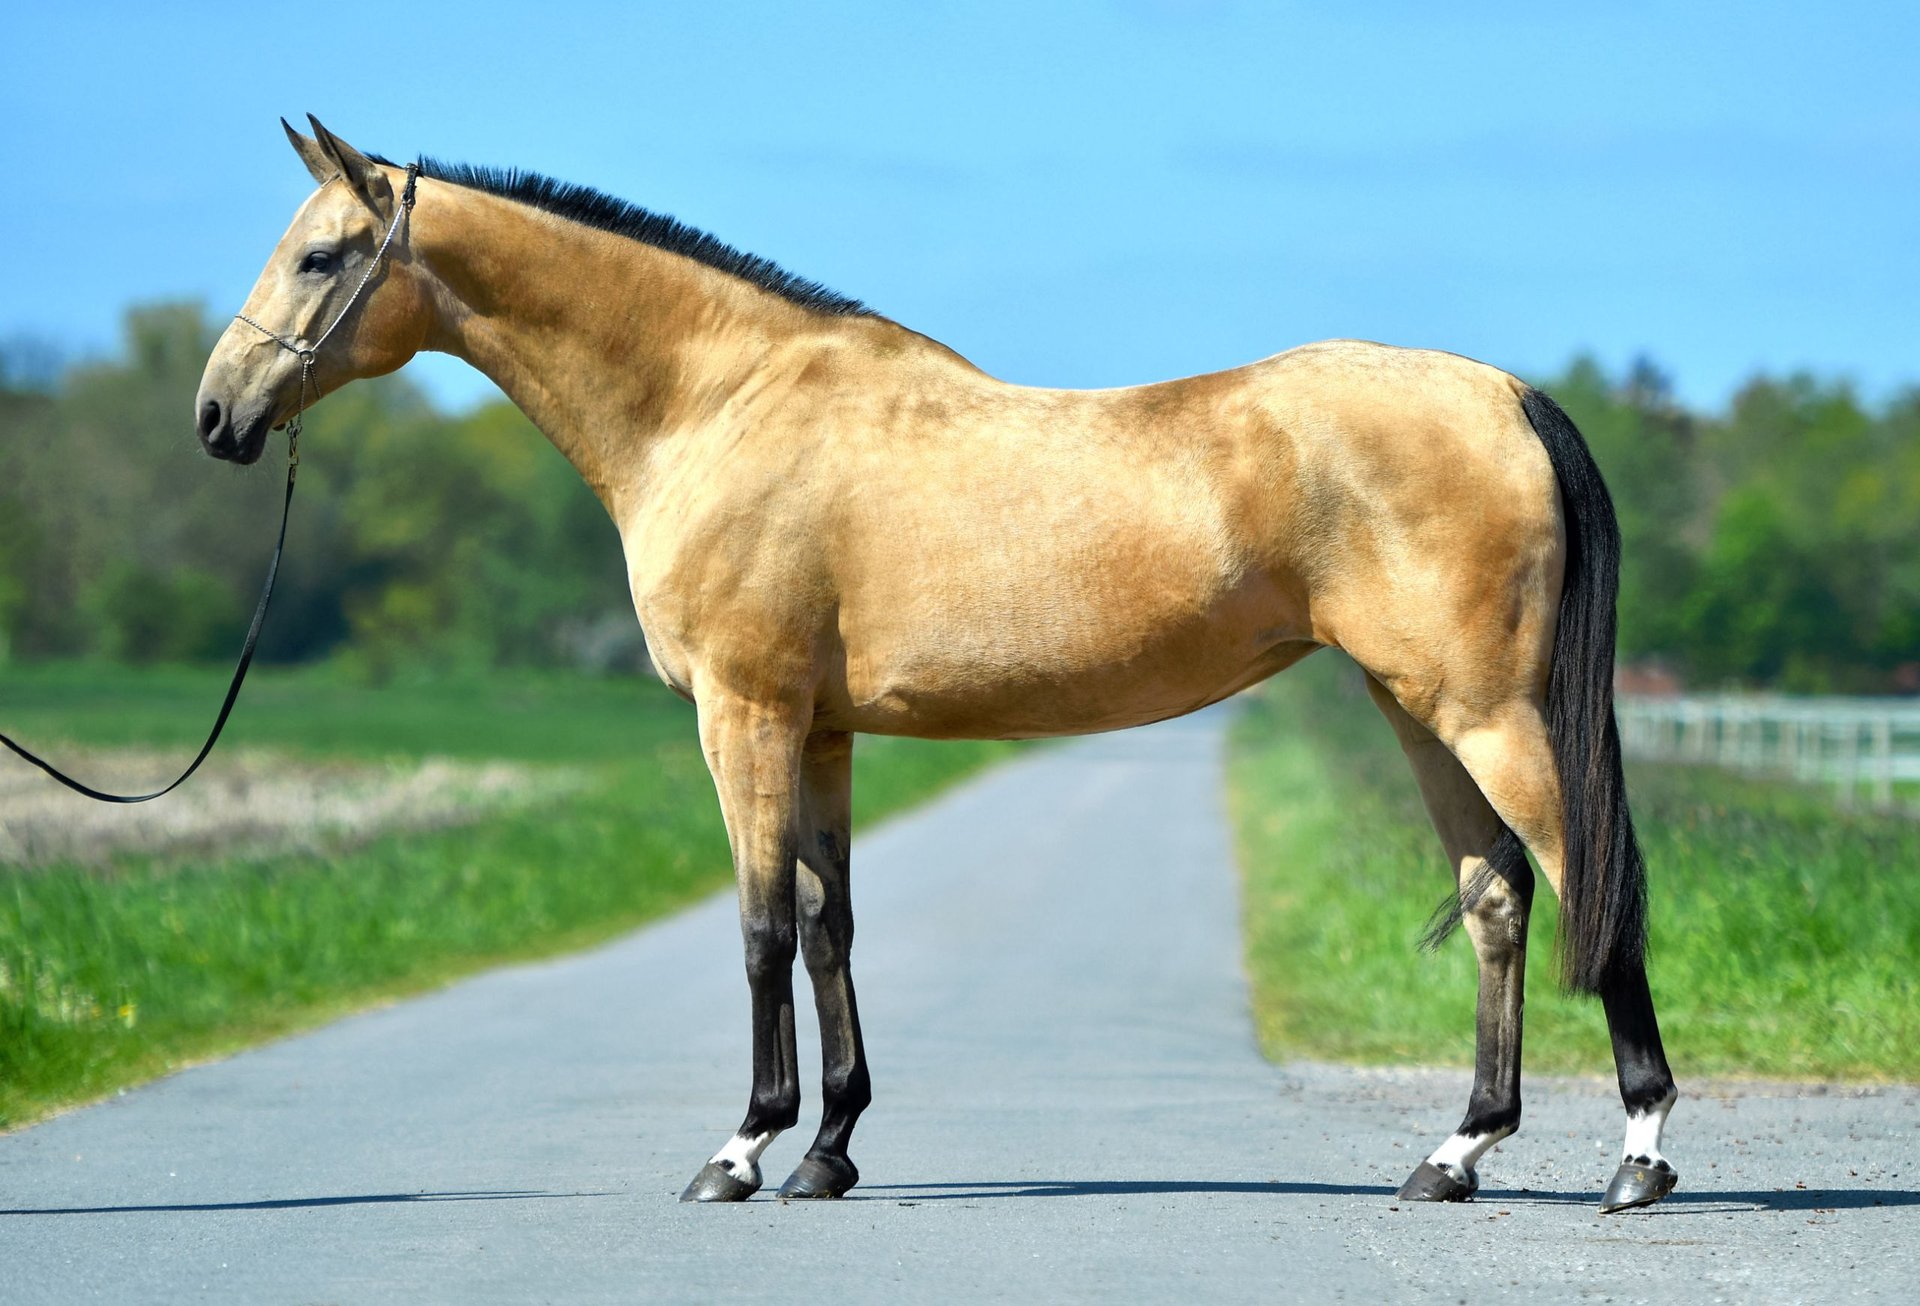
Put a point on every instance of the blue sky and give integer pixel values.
(1071, 194)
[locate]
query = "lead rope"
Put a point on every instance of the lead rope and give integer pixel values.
(280, 544)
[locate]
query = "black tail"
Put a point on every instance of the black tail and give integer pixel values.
(1603, 896)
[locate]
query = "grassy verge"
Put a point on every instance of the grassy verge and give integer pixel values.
(1784, 932)
(110, 977)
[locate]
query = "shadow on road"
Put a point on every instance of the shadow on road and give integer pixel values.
(1692, 1202)
(1684, 1202)
(293, 1203)
(935, 1192)
(1710, 1201)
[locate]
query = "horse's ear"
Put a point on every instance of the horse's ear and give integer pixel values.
(322, 168)
(363, 176)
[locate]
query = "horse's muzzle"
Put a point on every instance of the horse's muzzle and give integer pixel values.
(222, 438)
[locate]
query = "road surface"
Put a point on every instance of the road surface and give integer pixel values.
(1069, 1107)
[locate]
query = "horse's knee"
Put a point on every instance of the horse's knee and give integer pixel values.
(770, 948)
(826, 924)
(824, 947)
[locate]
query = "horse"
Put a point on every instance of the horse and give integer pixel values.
(833, 524)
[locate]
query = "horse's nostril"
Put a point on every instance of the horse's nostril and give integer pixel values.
(209, 417)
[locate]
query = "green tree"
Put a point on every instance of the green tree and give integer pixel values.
(143, 614)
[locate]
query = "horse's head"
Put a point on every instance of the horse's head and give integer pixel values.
(253, 380)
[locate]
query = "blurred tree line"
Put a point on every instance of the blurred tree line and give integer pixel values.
(415, 538)
(1774, 544)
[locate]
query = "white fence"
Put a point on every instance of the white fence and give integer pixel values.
(1867, 749)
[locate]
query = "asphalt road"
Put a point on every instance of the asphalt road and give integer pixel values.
(1069, 1107)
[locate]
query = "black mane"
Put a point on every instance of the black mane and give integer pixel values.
(593, 208)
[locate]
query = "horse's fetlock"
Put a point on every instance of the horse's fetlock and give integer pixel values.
(1647, 1092)
(848, 1089)
(1490, 1122)
(772, 1112)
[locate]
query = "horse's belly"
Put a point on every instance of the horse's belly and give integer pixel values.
(1056, 663)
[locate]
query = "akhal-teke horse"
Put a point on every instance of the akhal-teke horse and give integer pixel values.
(833, 524)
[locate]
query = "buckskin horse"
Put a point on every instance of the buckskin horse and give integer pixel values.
(833, 524)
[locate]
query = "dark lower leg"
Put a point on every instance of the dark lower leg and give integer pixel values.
(846, 1088)
(827, 1170)
(1646, 1090)
(1638, 1056)
(774, 1104)
(775, 1101)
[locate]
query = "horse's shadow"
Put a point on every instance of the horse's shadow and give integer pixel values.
(1694, 1201)
(293, 1203)
(1685, 1202)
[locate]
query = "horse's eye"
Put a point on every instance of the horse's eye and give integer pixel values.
(317, 260)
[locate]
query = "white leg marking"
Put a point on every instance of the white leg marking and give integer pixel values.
(1643, 1134)
(1461, 1153)
(741, 1156)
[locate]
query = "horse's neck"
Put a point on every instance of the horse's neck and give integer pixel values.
(606, 343)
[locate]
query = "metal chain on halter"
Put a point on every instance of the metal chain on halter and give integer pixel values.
(305, 355)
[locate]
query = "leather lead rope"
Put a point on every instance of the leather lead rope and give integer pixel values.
(305, 355)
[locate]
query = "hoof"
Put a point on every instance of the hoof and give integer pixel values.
(1430, 1183)
(819, 1176)
(716, 1183)
(1638, 1185)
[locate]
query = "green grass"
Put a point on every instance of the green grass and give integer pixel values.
(108, 977)
(1784, 932)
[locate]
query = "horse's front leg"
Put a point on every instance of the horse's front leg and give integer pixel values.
(826, 940)
(753, 750)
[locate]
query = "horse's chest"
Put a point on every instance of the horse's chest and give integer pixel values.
(725, 635)
(674, 669)
(668, 649)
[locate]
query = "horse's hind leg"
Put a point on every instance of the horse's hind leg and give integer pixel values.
(826, 939)
(1510, 757)
(1496, 895)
